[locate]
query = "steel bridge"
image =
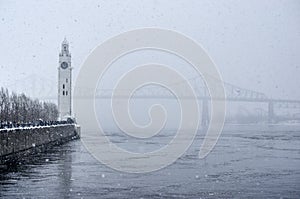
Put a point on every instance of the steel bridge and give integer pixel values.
(46, 89)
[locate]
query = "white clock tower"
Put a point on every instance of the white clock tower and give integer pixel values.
(64, 81)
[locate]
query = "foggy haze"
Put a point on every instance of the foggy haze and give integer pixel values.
(254, 44)
(132, 117)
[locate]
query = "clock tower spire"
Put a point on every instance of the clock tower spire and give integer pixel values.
(64, 82)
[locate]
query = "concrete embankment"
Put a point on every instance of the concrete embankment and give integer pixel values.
(17, 143)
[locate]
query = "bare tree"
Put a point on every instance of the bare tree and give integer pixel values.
(20, 108)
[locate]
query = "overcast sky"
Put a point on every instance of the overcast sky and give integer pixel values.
(255, 44)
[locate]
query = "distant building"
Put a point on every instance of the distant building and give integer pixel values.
(64, 81)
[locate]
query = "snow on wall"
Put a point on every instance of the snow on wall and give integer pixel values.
(21, 139)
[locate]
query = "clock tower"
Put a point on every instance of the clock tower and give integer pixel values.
(64, 81)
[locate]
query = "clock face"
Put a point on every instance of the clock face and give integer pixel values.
(64, 65)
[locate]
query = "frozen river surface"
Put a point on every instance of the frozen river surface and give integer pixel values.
(247, 162)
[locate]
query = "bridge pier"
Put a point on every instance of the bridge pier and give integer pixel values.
(205, 113)
(271, 116)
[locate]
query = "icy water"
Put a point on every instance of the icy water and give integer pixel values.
(248, 162)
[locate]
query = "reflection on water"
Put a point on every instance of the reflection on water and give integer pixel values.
(248, 161)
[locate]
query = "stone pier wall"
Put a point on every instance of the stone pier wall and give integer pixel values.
(16, 143)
